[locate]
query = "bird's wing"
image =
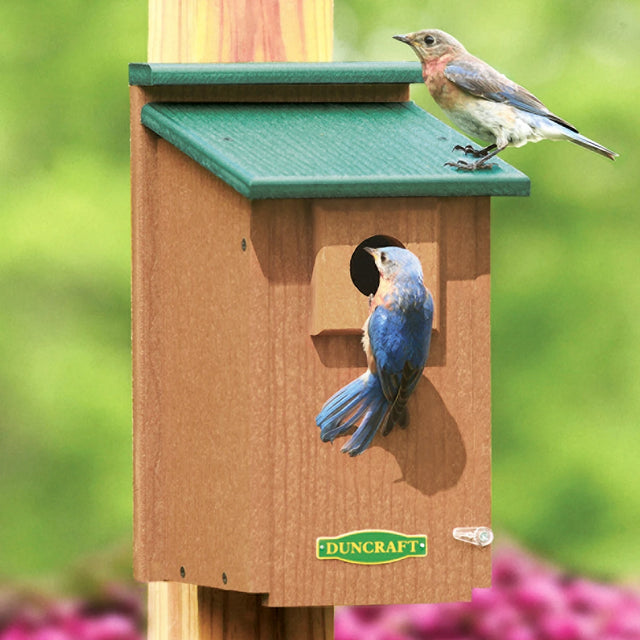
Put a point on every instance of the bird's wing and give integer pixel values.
(397, 410)
(479, 79)
(384, 339)
(391, 349)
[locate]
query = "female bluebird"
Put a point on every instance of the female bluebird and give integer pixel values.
(484, 103)
(396, 340)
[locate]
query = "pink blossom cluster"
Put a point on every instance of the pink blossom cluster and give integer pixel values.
(528, 601)
(116, 617)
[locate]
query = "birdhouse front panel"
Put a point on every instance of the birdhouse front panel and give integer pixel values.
(250, 289)
(426, 479)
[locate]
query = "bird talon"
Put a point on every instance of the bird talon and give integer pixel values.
(470, 150)
(459, 164)
(469, 166)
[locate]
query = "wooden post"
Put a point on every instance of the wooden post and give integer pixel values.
(183, 611)
(240, 30)
(235, 31)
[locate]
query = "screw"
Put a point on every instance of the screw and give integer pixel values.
(480, 536)
(183, 573)
(243, 244)
(484, 536)
(224, 578)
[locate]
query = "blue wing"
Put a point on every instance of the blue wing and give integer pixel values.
(400, 346)
(479, 79)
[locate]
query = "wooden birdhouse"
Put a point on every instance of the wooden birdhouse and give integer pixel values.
(255, 189)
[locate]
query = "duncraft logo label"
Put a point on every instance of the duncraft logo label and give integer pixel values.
(371, 547)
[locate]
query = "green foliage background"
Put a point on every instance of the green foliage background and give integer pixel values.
(566, 265)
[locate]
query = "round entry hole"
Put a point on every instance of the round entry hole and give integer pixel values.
(364, 273)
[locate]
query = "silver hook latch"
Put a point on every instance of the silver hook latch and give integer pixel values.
(480, 536)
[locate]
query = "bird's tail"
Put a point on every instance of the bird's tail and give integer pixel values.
(585, 142)
(360, 401)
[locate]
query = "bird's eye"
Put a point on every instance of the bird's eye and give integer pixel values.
(429, 40)
(383, 257)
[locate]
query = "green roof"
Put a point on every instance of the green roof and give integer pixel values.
(305, 150)
(147, 74)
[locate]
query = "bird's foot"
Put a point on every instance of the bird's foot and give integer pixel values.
(463, 165)
(470, 150)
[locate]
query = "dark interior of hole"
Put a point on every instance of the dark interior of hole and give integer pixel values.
(364, 273)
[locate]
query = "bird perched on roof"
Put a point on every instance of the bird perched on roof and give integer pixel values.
(484, 103)
(396, 339)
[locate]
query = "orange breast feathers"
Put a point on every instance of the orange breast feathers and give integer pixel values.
(443, 91)
(381, 295)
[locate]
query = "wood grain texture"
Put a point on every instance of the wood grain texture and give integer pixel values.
(240, 30)
(188, 352)
(341, 225)
(427, 479)
(231, 476)
(279, 93)
(185, 611)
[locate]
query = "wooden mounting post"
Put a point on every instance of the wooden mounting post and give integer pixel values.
(235, 31)
(183, 611)
(240, 30)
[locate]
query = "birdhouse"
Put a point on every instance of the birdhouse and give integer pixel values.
(256, 188)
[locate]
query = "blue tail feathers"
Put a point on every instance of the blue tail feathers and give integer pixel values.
(360, 401)
(585, 142)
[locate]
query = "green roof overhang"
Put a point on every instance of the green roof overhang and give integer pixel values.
(305, 150)
(151, 75)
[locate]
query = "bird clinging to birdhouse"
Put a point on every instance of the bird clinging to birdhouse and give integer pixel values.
(396, 340)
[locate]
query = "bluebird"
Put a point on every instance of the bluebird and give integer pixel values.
(485, 104)
(396, 338)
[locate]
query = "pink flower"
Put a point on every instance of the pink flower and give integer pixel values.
(14, 631)
(529, 600)
(109, 626)
(50, 632)
(592, 597)
(539, 593)
(625, 620)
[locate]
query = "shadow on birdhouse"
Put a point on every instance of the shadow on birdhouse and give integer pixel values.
(256, 188)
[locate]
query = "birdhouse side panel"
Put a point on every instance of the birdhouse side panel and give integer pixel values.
(196, 495)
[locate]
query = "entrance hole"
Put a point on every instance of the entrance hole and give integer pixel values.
(364, 273)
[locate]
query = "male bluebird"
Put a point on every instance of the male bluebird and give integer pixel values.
(484, 103)
(396, 340)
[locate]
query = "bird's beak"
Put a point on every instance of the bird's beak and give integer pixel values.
(403, 38)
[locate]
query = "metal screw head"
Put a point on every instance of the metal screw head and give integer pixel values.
(484, 536)
(243, 244)
(224, 578)
(183, 573)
